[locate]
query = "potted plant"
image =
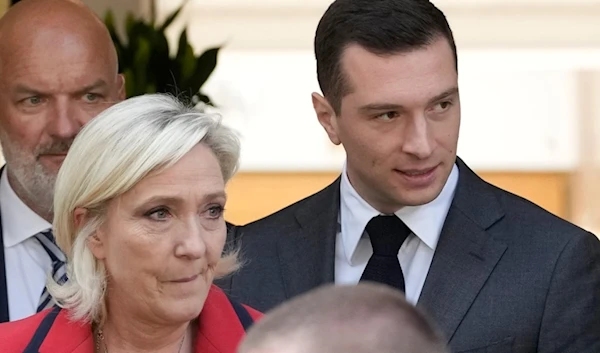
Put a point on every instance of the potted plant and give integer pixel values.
(148, 66)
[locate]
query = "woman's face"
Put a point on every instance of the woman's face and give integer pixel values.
(161, 240)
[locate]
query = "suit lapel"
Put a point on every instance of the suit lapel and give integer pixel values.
(310, 249)
(465, 255)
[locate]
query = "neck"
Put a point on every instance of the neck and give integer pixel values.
(37, 207)
(124, 333)
(371, 198)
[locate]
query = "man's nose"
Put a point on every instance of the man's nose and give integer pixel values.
(66, 119)
(417, 137)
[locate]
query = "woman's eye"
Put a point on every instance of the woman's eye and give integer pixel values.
(159, 214)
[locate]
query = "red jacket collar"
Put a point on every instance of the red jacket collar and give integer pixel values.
(219, 329)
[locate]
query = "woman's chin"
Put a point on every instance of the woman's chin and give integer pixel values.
(185, 309)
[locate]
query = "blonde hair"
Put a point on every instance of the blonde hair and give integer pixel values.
(110, 155)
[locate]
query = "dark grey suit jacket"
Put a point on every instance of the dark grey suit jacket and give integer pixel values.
(506, 276)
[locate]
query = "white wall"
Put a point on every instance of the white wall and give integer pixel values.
(519, 76)
(520, 109)
(520, 72)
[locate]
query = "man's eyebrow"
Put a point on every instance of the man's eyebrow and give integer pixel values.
(28, 90)
(97, 84)
(378, 107)
(25, 89)
(447, 93)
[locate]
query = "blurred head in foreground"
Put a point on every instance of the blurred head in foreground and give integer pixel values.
(350, 319)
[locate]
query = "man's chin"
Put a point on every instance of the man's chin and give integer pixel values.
(51, 163)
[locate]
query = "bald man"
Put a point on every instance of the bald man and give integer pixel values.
(58, 69)
(364, 318)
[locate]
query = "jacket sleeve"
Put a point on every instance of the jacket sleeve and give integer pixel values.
(571, 321)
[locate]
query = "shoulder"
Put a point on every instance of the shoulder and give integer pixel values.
(533, 216)
(45, 332)
(15, 335)
(287, 216)
(219, 306)
(221, 326)
(532, 226)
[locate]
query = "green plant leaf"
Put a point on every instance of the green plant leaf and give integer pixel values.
(203, 98)
(205, 65)
(130, 22)
(141, 65)
(186, 60)
(160, 61)
(170, 19)
(110, 26)
(129, 83)
(148, 66)
(109, 21)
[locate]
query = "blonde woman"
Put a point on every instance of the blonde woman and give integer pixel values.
(139, 212)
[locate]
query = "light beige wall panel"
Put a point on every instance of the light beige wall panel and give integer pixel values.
(290, 24)
(585, 202)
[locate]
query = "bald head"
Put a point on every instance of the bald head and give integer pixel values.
(58, 70)
(32, 24)
(345, 319)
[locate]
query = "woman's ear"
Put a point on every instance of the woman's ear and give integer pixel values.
(79, 216)
(94, 241)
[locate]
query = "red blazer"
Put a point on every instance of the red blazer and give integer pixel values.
(222, 325)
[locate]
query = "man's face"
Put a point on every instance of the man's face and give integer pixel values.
(399, 125)
(48, 90)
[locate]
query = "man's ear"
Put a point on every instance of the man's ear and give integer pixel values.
(95, 241)
(327, 117)
(122, 93)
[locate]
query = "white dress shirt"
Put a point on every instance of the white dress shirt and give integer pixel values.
(27, 263)
(353, 247)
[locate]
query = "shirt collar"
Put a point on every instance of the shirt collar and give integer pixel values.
(426, 221)
(19, 222)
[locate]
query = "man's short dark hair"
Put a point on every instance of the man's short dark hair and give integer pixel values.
(382, 27)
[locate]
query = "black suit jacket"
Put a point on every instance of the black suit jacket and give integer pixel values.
(507, 276)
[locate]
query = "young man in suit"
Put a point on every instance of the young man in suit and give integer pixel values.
(58, 69)
(495, 272)
(345, 319)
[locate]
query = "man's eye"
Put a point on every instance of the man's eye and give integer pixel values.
(91, 97)
(387, 116)
(35, 100)
(442, 106)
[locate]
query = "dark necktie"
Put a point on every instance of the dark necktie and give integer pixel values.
(58, 266)
(387, 233)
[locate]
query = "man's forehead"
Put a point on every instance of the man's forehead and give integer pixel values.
(56, 73)
(40, 87)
